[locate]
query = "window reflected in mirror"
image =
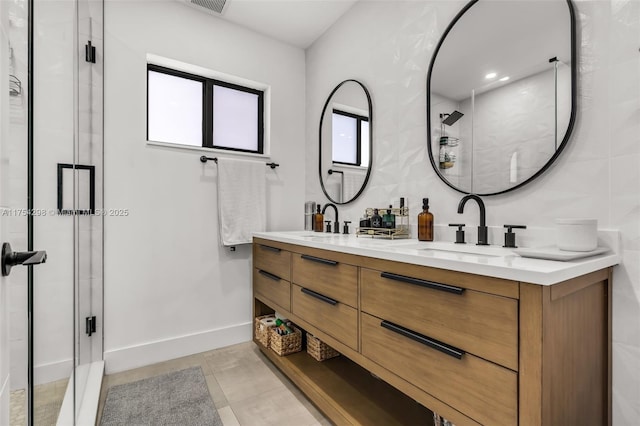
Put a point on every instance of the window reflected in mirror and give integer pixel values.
(345, 142)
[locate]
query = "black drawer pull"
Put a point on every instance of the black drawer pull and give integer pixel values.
(423, 283)
(269, 275)
(276, 249)
(434, 344)
(319, 260)
(319, 296)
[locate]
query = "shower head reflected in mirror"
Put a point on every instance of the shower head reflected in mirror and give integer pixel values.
(450, 119)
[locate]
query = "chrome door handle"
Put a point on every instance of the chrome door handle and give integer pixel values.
(12, 258)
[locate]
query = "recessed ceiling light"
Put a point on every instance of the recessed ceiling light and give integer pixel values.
(490, 75)
(504, 78)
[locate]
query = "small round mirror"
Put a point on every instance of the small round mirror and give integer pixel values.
(346, 142)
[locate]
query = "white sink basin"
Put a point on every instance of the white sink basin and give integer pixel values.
(471, 249)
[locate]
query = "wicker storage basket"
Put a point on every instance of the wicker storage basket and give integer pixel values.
(318, 349)
(262, 331)
(287, 344)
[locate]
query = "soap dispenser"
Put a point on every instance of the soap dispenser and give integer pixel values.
(318, 219)
(425, 222)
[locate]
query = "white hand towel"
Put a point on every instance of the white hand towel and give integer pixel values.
(241, 200)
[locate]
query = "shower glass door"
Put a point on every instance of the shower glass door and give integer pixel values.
(55, 161)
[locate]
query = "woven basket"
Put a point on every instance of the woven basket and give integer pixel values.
(319, 350)
(438, 420)
(287, 344)
(262, 331)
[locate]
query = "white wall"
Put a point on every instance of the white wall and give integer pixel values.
(387, 46)
(170, 288)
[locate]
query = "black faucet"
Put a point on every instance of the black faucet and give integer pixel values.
(482, 229)
(336, 223)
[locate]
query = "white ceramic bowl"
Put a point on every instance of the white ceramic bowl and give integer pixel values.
(577, 234)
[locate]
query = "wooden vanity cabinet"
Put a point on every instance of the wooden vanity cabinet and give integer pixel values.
(475, 349)
(271, 274)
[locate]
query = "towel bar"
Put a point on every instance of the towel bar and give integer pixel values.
(204, 159)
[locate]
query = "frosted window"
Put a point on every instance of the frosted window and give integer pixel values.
(345, 139)
(175, 109)
(364, 143)
(235, 119)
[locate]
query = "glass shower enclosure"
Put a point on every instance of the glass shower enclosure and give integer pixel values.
(52, 158)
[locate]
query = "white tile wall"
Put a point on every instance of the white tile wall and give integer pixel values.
(387, 45)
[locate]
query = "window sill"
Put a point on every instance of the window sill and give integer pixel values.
(348, 167)
(208, 151)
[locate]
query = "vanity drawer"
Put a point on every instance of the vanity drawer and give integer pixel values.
(480, 389)
(333, 317)
(480, 323)
(272, 287)
(327, 276)
(272, 259)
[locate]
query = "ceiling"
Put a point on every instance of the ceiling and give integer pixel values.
(295, 22)
(514, 39)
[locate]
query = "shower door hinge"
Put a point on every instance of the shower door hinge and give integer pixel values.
(90, 325)
(90, 53)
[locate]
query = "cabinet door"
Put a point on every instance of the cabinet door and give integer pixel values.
(271, 287)
(481, 323)
(272, 259)
(331, 316)
(328, 276)
(480, 389)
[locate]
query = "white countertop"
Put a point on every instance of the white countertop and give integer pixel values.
(493, 261)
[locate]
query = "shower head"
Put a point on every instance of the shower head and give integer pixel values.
(450, 119)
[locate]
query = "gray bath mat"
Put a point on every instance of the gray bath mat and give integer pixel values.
(178, 398)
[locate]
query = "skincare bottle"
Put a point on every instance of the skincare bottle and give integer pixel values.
(425, 222)
(389, 219)
(318, 220)
(376, 219)
(365, 222)
(309, 211)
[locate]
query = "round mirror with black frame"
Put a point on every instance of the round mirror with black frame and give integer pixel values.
(501, 94)
(346, 142)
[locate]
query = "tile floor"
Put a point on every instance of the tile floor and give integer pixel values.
(245, 387)
(47, 400)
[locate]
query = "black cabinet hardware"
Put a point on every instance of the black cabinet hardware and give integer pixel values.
(319, 260)
(269, 275)
(420, 338)
(423, 283)
(277, 250)
(319, 296)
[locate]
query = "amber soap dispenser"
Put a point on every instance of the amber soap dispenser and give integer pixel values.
(425, 222)
(318, 220)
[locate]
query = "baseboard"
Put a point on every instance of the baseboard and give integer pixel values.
(46, 373)
(122, 359)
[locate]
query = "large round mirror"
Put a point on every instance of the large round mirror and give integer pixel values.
(346, 142)
(501, 93)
